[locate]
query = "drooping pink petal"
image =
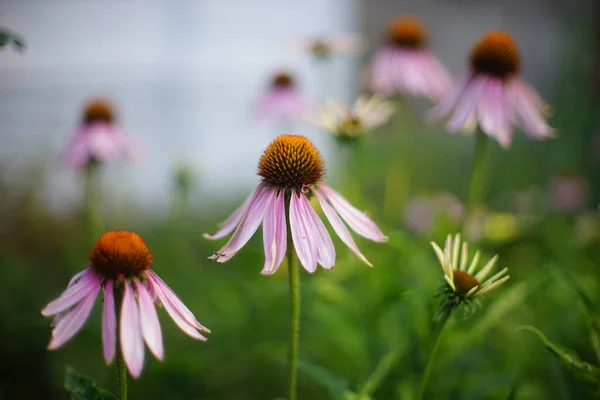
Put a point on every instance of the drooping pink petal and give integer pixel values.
(230, 223)
(380, 72)
(149, 321)
(529, 107)
(324, 245)
(248, 225)
(109, 323)
(450, 101)
(176, 310)
(72, 322)
(494, 115)
(466, 107)
(339, 227)
(274, 234)
(130, 335)
(73, 294)
(302, 235)
(356, 219)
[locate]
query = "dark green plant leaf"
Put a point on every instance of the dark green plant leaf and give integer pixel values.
(581, 369)
(16, 41)
(338, 388)
(83, 387)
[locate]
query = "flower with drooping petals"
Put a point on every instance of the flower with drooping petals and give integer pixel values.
(493, 95)
(292, 172)
(349, 123)
(405, 65)
(99, 138)
(120, 267)
(282, 101)
(463, 283)
(323, 47)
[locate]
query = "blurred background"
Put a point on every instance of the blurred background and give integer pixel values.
(186, 78)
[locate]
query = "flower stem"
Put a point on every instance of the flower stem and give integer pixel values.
(441, 320)
(477, 172)
(294, 287)
(121, 376)
(381, 370)
(93, 223)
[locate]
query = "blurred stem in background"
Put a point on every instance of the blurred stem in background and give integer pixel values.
(386, 363)
(475, 190)
(183, 181)
(440, 323)
(294, 288)
(401, 138)
(93, 221)
(119, 362)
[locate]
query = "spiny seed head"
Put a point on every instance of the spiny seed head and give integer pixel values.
(282, 80)
(120, 253)
(98, 110)
(291, 162)
(463, 281)
(406, 32)
(495, 54)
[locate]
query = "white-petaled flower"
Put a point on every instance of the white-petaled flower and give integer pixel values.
(325, 46)
(350, 122)
(464, 280)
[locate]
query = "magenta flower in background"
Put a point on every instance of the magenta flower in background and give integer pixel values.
(120, 266)
(493, 95)
(423, 213)
(568, 193)
(292, 170)
(405, 65)
(282, 101)
(99, 138)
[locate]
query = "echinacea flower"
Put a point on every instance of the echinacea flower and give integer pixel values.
(424, 213)
(464, 281)
(120, 267)
(493, 95)
(349, 123)
(99, 138)
(282, 101)
(405, 64)
(292, 172)
(323, 47)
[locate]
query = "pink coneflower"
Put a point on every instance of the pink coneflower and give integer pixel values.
(292, 170)
(323, 47)
(98, 138)
(405, 65)
(568, 193)
(282, 101)
(492, 95)
(120, 266)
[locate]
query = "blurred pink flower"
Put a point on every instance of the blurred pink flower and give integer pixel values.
(422, 213)
(406, 65)
(99, 138)
(282, 101)
(492, 95)
(120, 266)
(292, 169)
(568, 193)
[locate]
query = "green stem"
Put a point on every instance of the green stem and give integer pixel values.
(120, 363)
(384, 366)
(478, 169)
(93, 223)
(294, 287)
(442, 319)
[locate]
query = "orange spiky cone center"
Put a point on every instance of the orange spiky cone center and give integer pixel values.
(495, 54)
(98, 110)
(464, 281)
(406, 32)
(118, 253)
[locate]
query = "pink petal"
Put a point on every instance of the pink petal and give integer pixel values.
(248, 225)
(529, 106)
(339, 227)
(450, 101)
(149, 321)
(302, 235)
(109, 323)
(175, 311)
(132, 343)
(230, 223)
(274, 234)
(73, 294)
(357, 220)
(466, 107)
(381, 70)
(494, 116)
(325, 248)
(72, 322)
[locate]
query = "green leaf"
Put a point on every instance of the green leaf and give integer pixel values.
(338, 388)
(83, 387)
(580, 369)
